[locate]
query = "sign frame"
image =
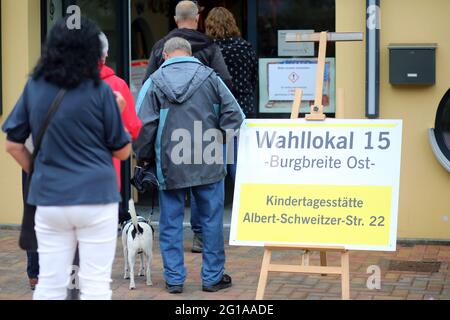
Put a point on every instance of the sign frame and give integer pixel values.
(285, 107)
(327, 125)
(289, 49)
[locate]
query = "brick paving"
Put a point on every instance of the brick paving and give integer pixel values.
(243, 264)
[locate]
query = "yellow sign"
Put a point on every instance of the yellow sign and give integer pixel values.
(321, 214)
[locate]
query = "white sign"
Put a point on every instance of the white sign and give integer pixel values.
(137, 73)
(285, 78)
(294, 49)
(330, 183)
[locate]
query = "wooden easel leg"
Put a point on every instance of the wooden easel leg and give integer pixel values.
(297, 103)
(323, 260)
(264, 274)
(345, 264)
(305, 258)
(317, 110)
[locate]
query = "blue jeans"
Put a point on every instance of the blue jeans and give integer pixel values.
(195, 219)
(32, 265)
(231, 169)
(210, 202)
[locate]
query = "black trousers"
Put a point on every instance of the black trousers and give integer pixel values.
(123, 216)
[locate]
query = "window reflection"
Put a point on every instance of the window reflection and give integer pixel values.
(443, 125)
(105, 14)
(274, 15)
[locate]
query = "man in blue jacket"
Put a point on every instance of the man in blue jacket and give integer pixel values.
(207, 52)
(186, 111)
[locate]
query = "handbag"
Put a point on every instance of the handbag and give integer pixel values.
(28, 240)
(145, 180)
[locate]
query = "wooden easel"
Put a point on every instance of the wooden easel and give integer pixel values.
(315, 115)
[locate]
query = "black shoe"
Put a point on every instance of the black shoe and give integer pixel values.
(177, 289)
(197, 243)
(223, 284)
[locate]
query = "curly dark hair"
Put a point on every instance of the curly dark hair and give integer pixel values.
(71, 56)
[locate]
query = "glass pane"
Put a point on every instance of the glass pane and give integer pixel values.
(444, 122)
(153, 20)
(105, 13)
(54, 12)
(150, 21)
(274, 15)
(236, 7)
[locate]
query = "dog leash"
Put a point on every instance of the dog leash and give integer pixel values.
(152, 212)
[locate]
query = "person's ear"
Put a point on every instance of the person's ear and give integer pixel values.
(176, 20)
(165, 56)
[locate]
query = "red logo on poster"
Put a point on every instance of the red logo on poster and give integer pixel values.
(293, 77)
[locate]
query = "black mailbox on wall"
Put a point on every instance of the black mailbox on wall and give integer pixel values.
(412, 64)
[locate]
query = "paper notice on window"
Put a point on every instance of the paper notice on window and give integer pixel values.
(285, 78)
(137, 74)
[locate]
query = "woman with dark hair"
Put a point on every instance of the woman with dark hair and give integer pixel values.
(239, 55)
(73, 184)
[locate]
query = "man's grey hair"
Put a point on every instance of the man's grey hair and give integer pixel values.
(186, 10)
(177, 43)
(105, 44)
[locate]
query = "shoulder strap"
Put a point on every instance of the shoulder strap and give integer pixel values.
(51, 112)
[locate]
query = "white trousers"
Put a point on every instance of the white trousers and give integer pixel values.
(59, 230)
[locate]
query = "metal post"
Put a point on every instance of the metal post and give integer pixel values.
(373, 59)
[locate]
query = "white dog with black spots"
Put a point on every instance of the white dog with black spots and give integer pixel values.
(137, 240)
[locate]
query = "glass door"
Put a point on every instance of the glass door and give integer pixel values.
(112, 17)
(51, 11)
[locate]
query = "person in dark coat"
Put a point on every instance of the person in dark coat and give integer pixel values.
(242, 62)
(203, 47)
(239, 55)
(180, 97)
(208, 53)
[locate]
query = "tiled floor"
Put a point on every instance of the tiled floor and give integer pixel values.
(243, 264)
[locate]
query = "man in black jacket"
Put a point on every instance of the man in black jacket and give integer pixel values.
(203, 47)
